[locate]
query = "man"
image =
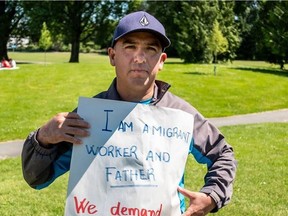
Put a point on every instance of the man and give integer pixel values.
(137, 53)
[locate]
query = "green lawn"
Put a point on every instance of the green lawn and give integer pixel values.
(34, 93)
(260, 188)
(261, 181)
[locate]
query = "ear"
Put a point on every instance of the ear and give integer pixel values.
(111, 54)
(163, 58)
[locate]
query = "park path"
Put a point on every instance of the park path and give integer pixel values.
(14, 148)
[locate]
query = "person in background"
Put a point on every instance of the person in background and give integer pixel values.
(138, 54)
(5, 63)
(12, 63)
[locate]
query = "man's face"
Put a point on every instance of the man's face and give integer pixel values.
(137, 58)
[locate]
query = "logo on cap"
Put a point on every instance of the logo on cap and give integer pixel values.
(144, 21)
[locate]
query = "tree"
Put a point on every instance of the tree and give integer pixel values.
(229, 28)
(10, 15)
(45, 41)
(76, 21)
(84, 19)
(274, 27)
(218, 44)
(189, 24)
(247, 19)
(36, 13)
(109, 13)
(168, 13)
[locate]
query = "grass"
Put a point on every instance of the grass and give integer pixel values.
(34, 93)
(236, 89)
(260, 188)
(261, 183)
(17, 198)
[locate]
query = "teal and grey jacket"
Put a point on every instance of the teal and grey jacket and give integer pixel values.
(41, 166)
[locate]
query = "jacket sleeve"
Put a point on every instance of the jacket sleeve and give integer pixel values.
(209, 147)
(41, 166)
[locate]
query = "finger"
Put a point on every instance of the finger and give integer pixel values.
(185, 192)
(72, 139)
(76, 123)
(71, 115)
(76, 131)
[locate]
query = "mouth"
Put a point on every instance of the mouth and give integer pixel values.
(138, 71)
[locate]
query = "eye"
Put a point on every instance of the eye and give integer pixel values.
(129, 46)
(152, 48)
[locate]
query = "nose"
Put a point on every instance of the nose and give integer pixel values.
(139, 56)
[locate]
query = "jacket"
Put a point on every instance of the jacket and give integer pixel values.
(41, 166)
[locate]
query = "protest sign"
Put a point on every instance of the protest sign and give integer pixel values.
(132, 162)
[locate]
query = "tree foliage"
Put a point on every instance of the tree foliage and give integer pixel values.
(274, 27)
(190, 23)
(77, 22)
(247, 18)
(229, 28)
(217, 43)
(253, 29)
(45, 41)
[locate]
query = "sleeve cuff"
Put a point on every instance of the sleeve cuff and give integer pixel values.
(47, 150)
(215, 197)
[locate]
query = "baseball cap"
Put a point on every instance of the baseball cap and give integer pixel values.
(141, 21)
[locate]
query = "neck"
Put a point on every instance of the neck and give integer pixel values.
(135, 95)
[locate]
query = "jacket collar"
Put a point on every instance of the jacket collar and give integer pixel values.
(160, 88)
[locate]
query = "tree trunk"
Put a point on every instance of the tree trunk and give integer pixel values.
(3, 49)
(215, 60)
(282, 62)
(8, 22)
(4, 31)
(74, 57)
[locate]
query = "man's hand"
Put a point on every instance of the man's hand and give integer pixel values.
(63, 127)
(200, 203)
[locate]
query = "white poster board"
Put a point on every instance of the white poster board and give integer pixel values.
(132, 162)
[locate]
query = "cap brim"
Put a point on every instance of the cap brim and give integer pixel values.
(165, 42)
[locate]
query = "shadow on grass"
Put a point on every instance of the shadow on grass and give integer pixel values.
(195, 73)
(32, 62)
(24, 62)
(277, 72)
(173, 62)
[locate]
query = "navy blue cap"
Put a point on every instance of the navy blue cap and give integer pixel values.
(138, 22)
